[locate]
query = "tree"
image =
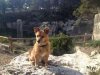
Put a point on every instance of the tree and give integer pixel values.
(16, 4)
(87, 7)
(3, 6)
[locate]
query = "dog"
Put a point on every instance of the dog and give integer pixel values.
(41, 48)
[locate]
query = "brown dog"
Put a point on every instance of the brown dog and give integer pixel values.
(41, 49)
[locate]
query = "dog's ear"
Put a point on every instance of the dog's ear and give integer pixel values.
(46, 30)
(36, 29)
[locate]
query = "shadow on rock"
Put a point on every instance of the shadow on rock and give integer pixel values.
(62, 70)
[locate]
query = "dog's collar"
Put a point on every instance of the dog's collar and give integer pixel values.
(43, 45)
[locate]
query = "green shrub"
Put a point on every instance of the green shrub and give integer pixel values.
(94, 43)
(61, 44)
(3, 40)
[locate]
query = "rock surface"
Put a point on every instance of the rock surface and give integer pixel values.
(96, 29)
(68, 64)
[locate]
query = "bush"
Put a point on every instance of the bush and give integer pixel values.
(3, 40)
(61, 44)
(94, 43)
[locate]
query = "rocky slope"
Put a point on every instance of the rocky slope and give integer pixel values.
(78, 63)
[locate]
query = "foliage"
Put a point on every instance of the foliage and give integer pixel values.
(87, 7)
(94, 43)
(3, 5)
(3, 40)
(51, 8)
(61, 44)
(19, 47)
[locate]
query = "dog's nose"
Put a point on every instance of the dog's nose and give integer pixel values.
(38, 41)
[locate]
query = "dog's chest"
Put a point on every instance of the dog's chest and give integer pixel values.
(43, 49)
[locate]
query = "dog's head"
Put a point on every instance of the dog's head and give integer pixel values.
(41, 35)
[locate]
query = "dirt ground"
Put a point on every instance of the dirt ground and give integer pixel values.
(5, 58)
(88, 50)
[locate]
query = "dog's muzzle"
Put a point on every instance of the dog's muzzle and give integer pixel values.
(38, 41)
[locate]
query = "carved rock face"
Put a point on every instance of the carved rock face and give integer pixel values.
(96, 29)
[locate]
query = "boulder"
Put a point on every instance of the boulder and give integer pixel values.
(78, 63)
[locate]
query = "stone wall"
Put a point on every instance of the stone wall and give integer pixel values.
(69, 27)
(55, 26)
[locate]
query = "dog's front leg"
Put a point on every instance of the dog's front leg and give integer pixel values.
(45, 59)
(31, 60)
(36, 60)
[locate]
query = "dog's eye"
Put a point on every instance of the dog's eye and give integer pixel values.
(42, 36)
(38, 35)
